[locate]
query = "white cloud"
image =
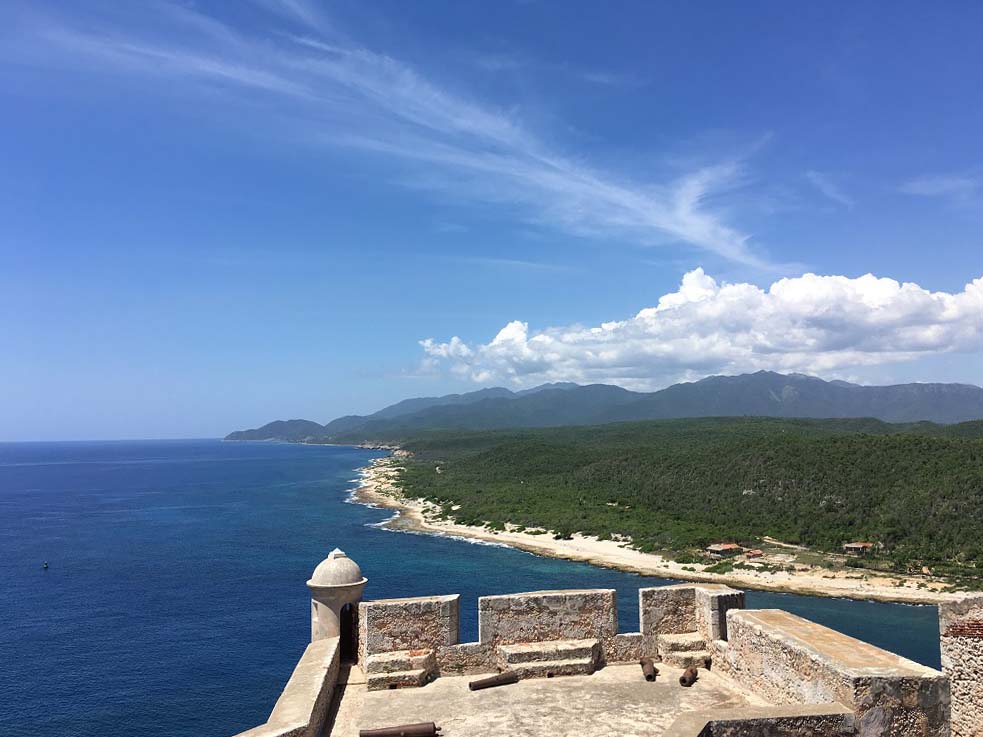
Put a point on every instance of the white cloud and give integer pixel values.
(514, 62)
(829, 189)
(942, 186)
(822, 325)
(346, 96)
(614, 79)
(518, 264)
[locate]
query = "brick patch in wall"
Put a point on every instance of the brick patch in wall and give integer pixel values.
(967, 628)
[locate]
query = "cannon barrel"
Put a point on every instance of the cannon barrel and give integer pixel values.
(502, 679)
(648, 668)
(688, 678)
(423, 729)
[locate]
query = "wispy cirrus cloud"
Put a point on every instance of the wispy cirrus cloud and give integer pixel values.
(613, 79)
(512, 62)
(823, 325)
(948, 186)
(351, 97)
(516, 264)
(829, 189)
(306, 12)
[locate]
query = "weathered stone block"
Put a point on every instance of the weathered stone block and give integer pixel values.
(398, 679)
(400, 660)
(800, 720)
(466, 658)
(529, 652)
(665, 610)
(627, 647)
(428, 622)
(711, 607)
(548, 615)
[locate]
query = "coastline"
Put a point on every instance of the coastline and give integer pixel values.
(378, 487)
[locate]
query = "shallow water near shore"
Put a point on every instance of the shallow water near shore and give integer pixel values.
(174, 602)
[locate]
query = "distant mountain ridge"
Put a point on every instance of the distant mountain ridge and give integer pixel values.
(762, 394)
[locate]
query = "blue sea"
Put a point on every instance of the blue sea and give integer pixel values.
(174, 601)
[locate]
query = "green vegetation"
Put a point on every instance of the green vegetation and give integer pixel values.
(681, 484)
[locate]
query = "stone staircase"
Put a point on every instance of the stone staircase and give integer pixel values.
(400, 669)
(549, 659)
(685, 650)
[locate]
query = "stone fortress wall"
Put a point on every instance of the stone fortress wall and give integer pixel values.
(790, 660)
(784, 658)
(302, 709)
(961, 630)
(817, 681)
(390, 625)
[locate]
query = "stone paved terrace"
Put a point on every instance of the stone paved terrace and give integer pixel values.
(614, 701)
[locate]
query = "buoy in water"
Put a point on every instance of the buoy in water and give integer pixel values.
(45, 565)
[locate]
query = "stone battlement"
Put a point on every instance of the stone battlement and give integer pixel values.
(432, 622)
(763, 672)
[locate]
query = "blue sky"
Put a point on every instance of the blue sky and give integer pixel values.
(216, 214)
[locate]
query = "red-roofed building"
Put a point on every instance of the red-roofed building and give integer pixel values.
(724, 550)
(857, 548)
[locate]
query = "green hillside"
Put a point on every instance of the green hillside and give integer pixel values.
(762, 394)
(679, 484)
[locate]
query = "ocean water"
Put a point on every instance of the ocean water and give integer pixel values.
(174, 602)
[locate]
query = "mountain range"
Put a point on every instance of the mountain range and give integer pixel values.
(762, 394)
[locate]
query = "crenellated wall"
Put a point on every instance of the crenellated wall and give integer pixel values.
(432, 622)
(805, 671)
(961, 630)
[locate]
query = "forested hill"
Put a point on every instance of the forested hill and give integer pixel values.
(763, 394)
(918, 489)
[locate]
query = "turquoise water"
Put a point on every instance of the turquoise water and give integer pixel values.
(174, 603)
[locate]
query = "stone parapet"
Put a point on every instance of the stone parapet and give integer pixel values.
(303, 705)
(388, 625)
(627, 647)
(685, 609)
(467, 658)
(961, 630)
(786, 659)
(666, 610)
(712, 603)
(801, 720)
(541, 616)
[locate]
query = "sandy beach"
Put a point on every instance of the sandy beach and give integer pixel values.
(379, 487)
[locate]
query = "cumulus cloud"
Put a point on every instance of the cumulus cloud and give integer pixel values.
(813, 324)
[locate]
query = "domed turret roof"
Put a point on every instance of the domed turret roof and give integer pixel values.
(336, 570)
